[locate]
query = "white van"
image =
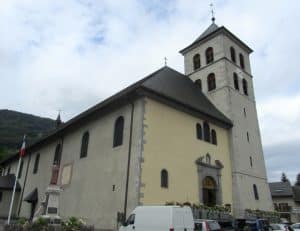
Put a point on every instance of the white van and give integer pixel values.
(159, 218)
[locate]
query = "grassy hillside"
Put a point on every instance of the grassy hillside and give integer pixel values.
(13, 125)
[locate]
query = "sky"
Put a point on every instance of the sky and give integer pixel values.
(69, 55)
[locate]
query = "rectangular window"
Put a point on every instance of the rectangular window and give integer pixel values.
(245, 114)
(251, 163)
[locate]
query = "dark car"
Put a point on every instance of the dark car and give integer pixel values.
(226, 225)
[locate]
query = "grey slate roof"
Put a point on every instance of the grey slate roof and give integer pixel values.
(166, 85)
(212, 31)
(178, 87)
(213, 27)
(281, 189)
(7, 182)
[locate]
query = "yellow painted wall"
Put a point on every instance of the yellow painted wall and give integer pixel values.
(171, 144)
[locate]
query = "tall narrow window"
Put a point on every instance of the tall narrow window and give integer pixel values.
(196, 61)
(236, 81)
(248, 138)
(232, 54)
(251, 163)
(199, 131)
(36, 163)
(164, 178)
(198, 83)
(242, 64)
(84, 144)
(209, 53)
(118, 133)
(206, 130)
(245, 86)
(20, 169)
(213, 137)
(255, 192)
(57, 155)
(211, 82)
(245, 113)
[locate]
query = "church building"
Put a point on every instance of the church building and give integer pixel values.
(170, 137)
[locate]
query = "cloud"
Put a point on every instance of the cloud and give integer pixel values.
(282, 158)
(72, 54)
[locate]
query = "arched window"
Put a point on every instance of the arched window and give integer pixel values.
(255, 192)
(236, 81)
(213, 137)
(232, 54)
(199, 131)
(164, 178)
(208, 159)
(196, 61)
(20, 169)
(242, 64)
(118, 133)
(84, 144)
(206, 130)
(198, 83)
(245, 86)
(209, 53)
(211, 82)
(36, 163)
(57, 155)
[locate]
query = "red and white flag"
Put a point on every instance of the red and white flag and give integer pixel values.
(22, 150)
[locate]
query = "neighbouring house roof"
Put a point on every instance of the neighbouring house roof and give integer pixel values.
(7, 182)
(165, 85)
(296, 190)
(281, 189)
(211, 31)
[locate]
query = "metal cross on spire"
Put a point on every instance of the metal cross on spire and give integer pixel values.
(165, 61)
(212, 12)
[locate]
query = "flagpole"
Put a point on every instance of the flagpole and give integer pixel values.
(14, 190)
(22, 153)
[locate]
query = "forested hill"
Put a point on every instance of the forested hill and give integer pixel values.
(13, 125)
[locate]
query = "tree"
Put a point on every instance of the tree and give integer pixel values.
(284, 178)
(298, 180)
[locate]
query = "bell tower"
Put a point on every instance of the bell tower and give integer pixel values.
(219, 62)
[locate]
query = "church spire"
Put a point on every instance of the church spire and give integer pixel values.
(58, 121)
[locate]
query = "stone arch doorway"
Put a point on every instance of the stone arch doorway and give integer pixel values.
(209, 188)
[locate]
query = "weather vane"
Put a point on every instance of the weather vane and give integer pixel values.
(212, 12)
(165, 61)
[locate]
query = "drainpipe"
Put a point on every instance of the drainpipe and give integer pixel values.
(128, 162)
(24, 183)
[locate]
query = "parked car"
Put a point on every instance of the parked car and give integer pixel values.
(207, 225)
(226, 225)
(279, 227)
(252, 225)
(159, 218)
(296, 226)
